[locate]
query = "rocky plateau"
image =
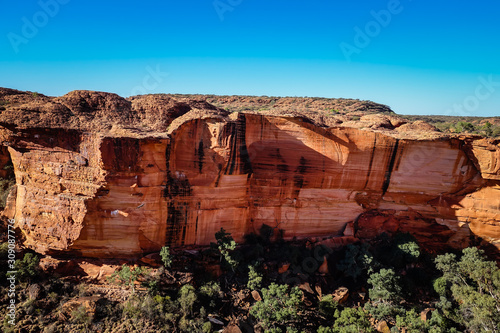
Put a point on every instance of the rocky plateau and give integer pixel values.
(98, 175)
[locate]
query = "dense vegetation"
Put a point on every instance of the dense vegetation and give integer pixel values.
(273, 286)
(488, 127)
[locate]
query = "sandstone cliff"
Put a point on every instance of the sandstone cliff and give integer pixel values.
(103, 176)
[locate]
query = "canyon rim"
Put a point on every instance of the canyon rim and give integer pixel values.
(98, 175)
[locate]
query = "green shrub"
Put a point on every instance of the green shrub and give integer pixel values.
(410, 322)
(327, 306)
(187, 298)
(474, 284)
(440, 286)
(385, 286)
(278, 307)
(254, 278)
(127, 276)
(27, 268)
(352, 320)
(385, 294)
(166, 257)
(81, 317)
(210, 293)
(463, 126)
(225, 246)
(357, 260)
(487, 129)
(207, 327)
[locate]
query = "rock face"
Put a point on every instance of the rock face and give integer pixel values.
(101, 176)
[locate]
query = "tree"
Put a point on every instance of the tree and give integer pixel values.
(488, 129)
(225, 246)
(82, 317)
(187, 298)
(404, 250)
(463, 126)
(410, 322)
(474, 283)
(385, 286)
(327, 306)
(440, 286)
(409, 250)
(166, 257)
(278, 307)
(357, 260)
(128, 276)
(27, 268)
(254, 278)
(210, 293)
(352, 320)
(385, 294)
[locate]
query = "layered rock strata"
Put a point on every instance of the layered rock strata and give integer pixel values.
(101, 176)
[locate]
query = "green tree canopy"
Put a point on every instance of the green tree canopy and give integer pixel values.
(474, 284)
(278, 306)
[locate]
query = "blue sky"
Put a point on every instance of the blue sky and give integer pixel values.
(417, 56)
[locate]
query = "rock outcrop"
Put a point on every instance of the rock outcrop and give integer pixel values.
(102, 176)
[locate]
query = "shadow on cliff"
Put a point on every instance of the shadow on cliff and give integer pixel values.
(285, 161)
(48, 138)
(287, 157)
(278, 165)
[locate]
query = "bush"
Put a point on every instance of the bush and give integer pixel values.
(327, 306)
(27, 268)
(254, 278)
(474, 284)
(278, 306)
(385, 294)
(352, 320)
(357, 260)
(128, 276)
(166, 257)
(80, 316)
(463, 126)
(410, 322)
(385, 286)
(225, 246)
(487, 129)
(440, 286)
(187, 298)
(142, 307)
(210, 293)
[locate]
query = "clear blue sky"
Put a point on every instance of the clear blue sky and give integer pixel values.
(420, 57)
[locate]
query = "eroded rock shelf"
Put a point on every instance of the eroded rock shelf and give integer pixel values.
(138, 182)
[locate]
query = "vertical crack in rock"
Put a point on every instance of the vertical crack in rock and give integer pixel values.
(177, 191)
(298, 179)
(201, 156)
(371, 161)
(239, 160)
(388, 173)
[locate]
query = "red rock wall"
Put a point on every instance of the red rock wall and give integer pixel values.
(106, 197)
(128, 214)
(57, 172)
